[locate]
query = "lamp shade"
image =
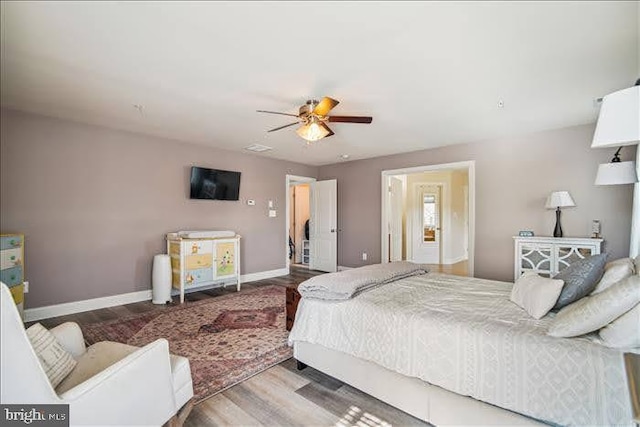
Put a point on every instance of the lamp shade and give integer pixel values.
(559, 199)
(616, 173)
(619, 119)
(313, 131)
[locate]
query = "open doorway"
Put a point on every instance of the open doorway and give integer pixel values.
(299, 200)
(428, 216)
(298, 213)
(317, 203)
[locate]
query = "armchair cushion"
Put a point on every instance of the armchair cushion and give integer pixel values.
(103, 354)
(55, 360)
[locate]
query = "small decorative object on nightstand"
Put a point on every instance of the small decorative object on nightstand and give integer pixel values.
(595, 229)
(525, 233)
(557, 200)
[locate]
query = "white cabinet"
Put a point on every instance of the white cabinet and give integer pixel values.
(549, 255)
(204, 262)
(305, 252)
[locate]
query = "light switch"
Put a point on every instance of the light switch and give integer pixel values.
(272, 213)
(271, 204)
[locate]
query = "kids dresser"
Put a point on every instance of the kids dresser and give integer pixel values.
(203, 259)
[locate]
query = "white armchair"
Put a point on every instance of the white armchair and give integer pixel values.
(112, 383)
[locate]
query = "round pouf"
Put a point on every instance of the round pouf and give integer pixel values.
(161, 279)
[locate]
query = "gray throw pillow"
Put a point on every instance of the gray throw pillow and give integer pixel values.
(580, 279)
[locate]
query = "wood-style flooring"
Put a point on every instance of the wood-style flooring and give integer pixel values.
(458, 269)
(280, 395)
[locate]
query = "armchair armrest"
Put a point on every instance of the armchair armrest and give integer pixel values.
(137, 390)
(69, 335)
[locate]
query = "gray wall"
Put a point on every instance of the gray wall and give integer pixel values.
(95, 203)
(513, 178)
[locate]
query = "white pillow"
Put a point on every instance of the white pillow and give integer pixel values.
(55, 360)
(624, 332)
(593, 312)
(537, 295)
(615, 271)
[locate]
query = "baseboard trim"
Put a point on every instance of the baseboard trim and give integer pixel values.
(252, 277)
(46, 312)
(39, 313)
(455, 260)
(343, 268)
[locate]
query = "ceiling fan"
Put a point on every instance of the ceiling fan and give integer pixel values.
(314, 117)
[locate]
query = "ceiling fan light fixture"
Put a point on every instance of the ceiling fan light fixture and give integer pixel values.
(312, 131)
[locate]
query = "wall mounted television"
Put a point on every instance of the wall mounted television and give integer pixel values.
(214, 184)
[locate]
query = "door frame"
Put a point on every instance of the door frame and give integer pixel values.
(289, 181)
(470, 165)
(411, 226)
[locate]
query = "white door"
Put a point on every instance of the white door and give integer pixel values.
(395, 222)
(323, 230)
(427, 232)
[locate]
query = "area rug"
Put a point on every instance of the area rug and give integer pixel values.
(227, 339)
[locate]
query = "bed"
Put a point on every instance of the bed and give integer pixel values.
(455, 350)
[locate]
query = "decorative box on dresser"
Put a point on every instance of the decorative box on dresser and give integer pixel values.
(12, 266)
(549, 255)
(203, 262)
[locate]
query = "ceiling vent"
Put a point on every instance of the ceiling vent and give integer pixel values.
(258, 148)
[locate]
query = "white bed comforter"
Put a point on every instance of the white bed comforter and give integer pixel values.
(464, 335)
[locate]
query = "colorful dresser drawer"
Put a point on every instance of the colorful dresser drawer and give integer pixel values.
(10, 258)
(10, 242)
(11, 276)
(194, 262)
(17, 292)
(198, 247)
(195, 277)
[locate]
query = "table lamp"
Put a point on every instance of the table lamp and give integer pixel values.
(557, 200)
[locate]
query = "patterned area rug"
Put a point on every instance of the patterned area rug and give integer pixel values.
(227, 339)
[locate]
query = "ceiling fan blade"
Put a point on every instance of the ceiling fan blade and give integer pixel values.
(350, 119)
(326, 104)
(327, 128)
(282, 127)
(276, 112)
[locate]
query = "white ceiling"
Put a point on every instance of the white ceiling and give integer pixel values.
(430, 74)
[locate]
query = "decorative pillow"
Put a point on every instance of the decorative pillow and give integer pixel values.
(580, 278)
(55, 360)
(593, 312)
(537, 295)
(624, 332)
(615, 271)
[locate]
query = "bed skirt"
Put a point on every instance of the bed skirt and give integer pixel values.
(411, 395)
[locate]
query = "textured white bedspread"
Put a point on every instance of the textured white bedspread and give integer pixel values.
(464, 335)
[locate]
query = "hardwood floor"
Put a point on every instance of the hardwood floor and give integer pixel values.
(458, 269)
(280, 395)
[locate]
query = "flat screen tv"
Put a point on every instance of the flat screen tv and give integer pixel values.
(214, 184)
